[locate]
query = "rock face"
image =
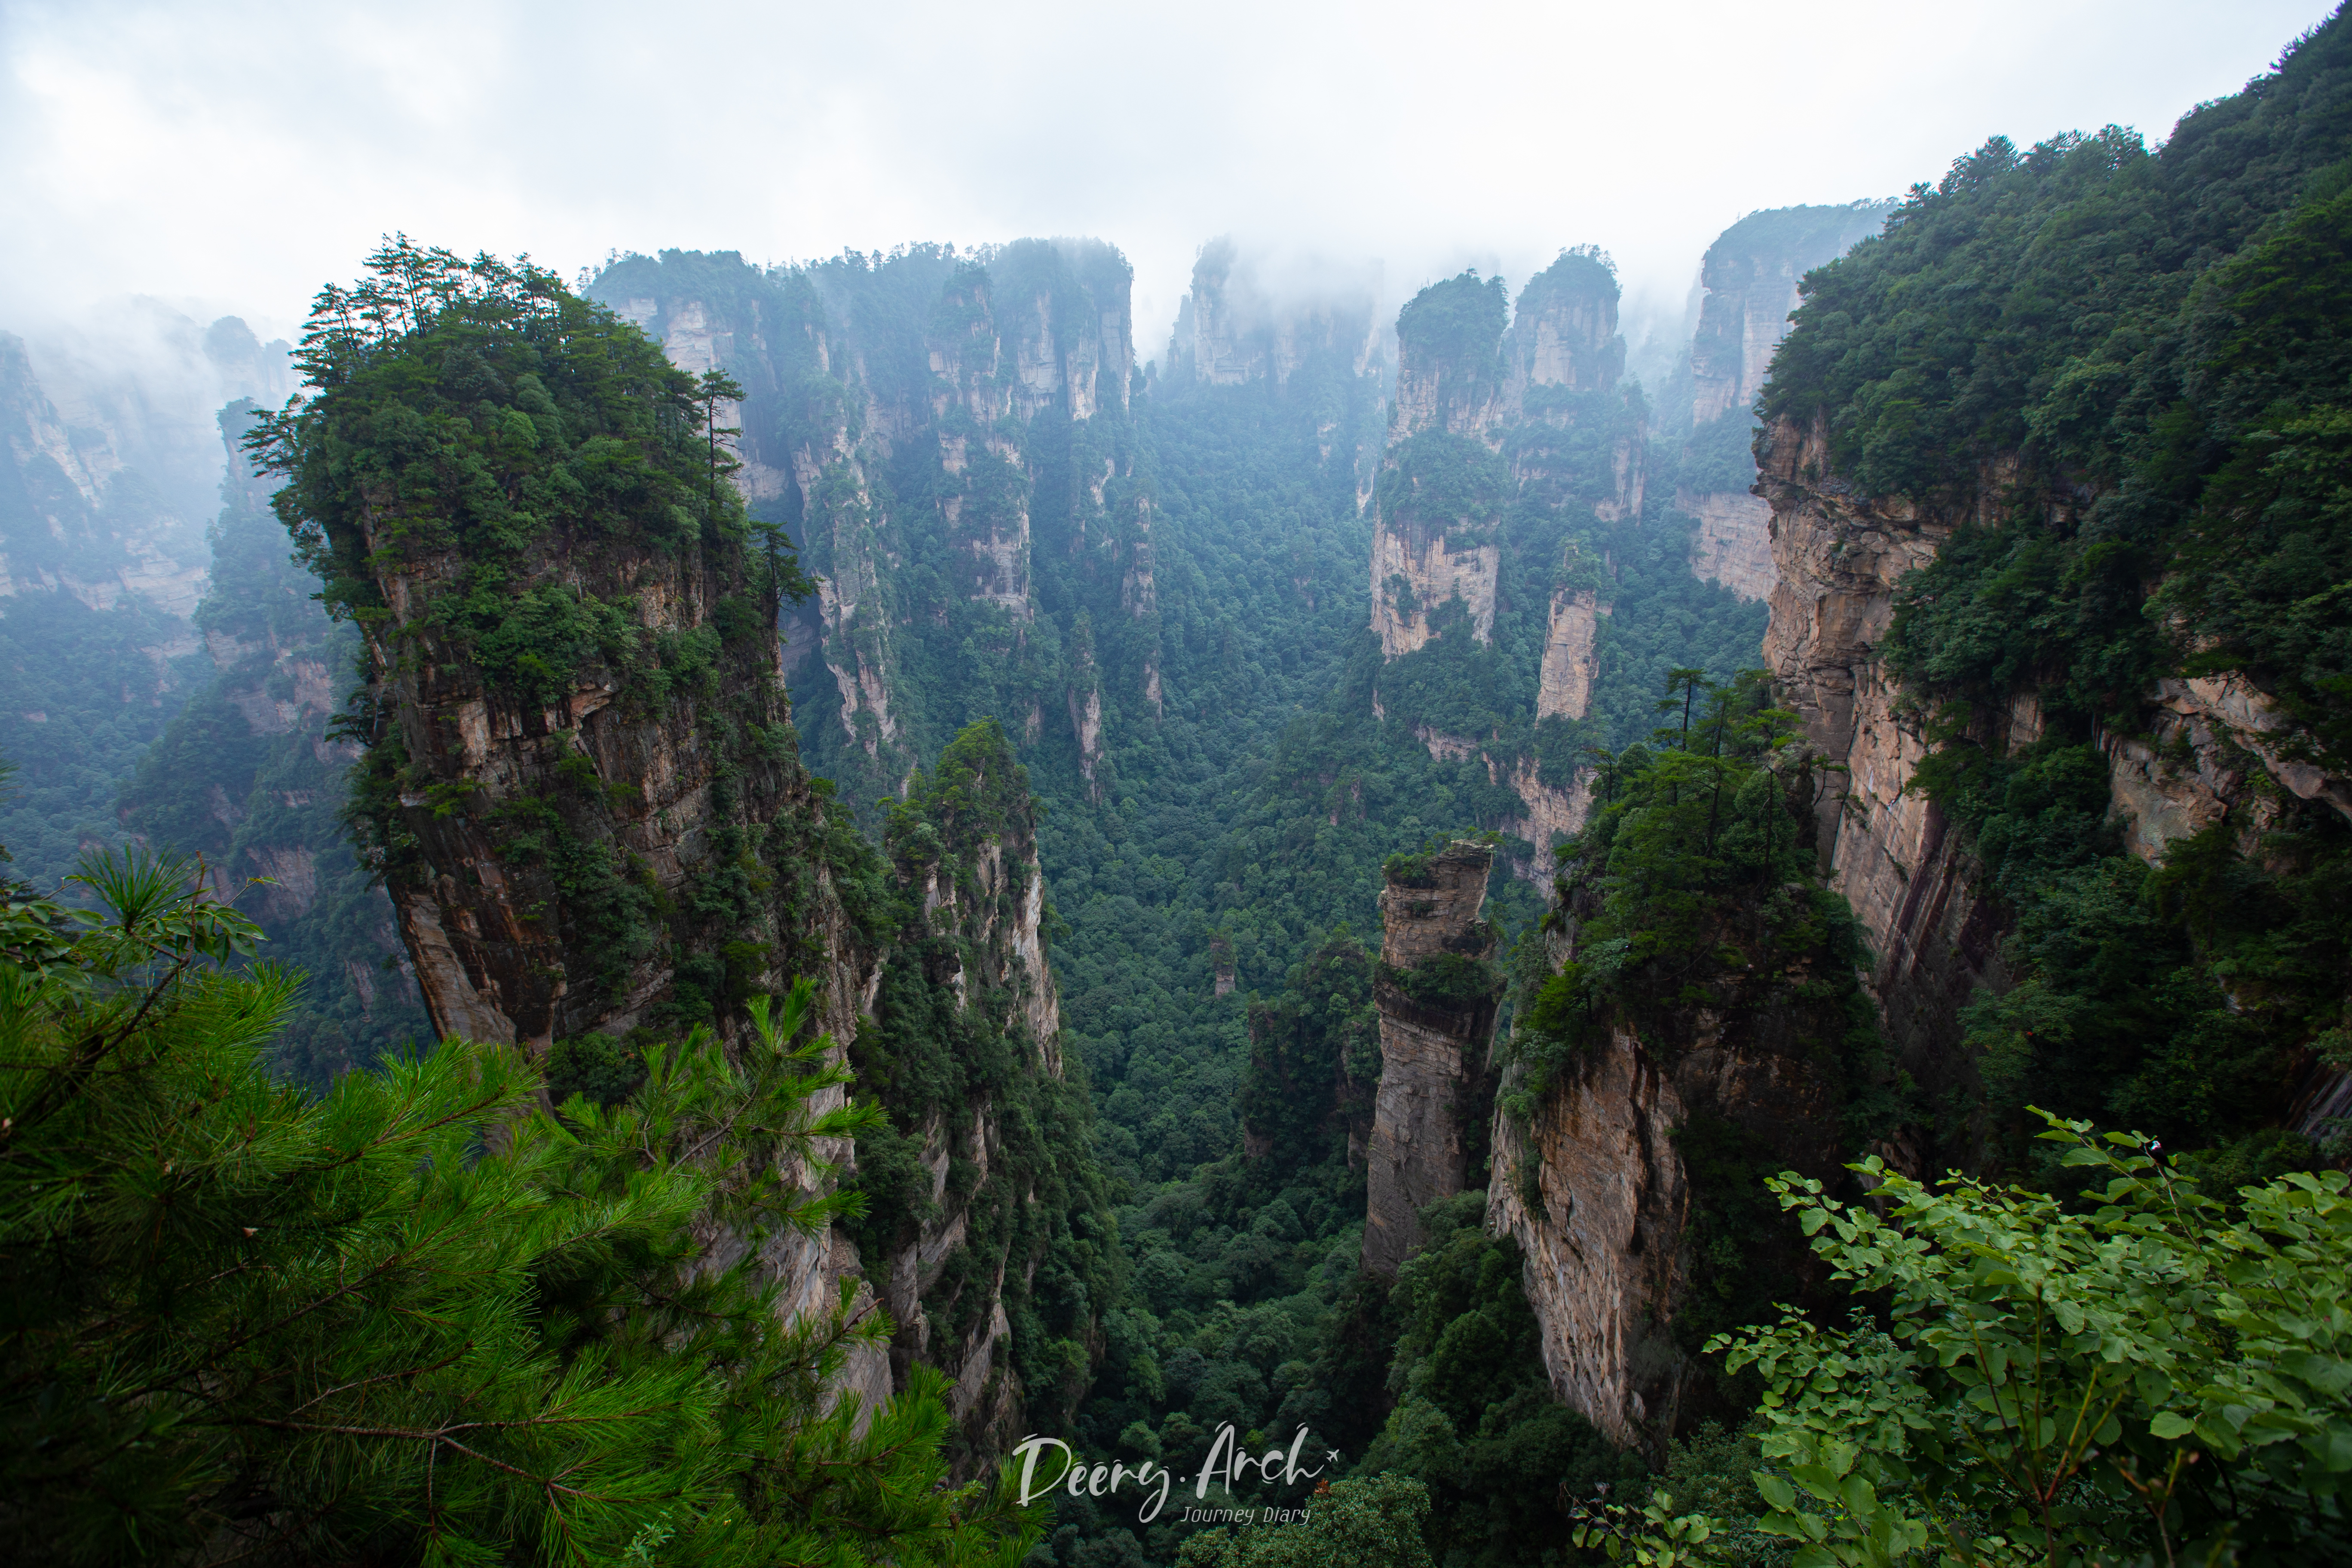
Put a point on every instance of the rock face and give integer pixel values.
(75, 516)
(982, 943)
(2211, 718)
(925, 426)
(1552, 813)
(1593, 1170)
(1734, 543)
(1752, 275)
(617, 833)
(1564, 684)
(640, 780)
(1595, 1192)
(104, 492)
(1504, 390)
(1241, 324)
(110, 461)
(1839, 556)
(904, 453)
(1428, 1115)
(1418, 572)
(1485, 421)
(1449, 384)
(1598, 1231)
(1563, 337)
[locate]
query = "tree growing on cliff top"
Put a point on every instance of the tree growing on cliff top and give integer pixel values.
(2141, 444)
(480, 406)
(521, 504)
(418, 1320)
(1691, 873)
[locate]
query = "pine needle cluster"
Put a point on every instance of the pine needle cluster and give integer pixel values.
(425, 1317)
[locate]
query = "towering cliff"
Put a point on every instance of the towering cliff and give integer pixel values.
(1167, 582)
(581, 788)
(1887, 847)
(1700, 1025)
(1752, 276)
(251, 777)
(1436, 993)
(1238, 324)
(985, 1179)
(2053, 637)
(944, 435)
(1515, 481)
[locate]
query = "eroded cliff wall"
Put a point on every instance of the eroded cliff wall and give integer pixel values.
(921, 457)
(1595, 1189)
(109, 466)
(251, 777)
(1838, 557)
(1751, 275)
(1428, 1115)
(1248, 317)
(1627, 1151)
(1936, 932)
(935, 430)
(1507, 448)
(963, 1043)
(1733, 545)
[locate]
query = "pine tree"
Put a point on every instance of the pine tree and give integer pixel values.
(418, 1318)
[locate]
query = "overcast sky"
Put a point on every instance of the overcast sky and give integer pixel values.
(233, 157)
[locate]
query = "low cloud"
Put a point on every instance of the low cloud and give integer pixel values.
(235, 157)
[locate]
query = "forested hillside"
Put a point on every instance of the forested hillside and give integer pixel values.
(1344, 886)
(2090, 388)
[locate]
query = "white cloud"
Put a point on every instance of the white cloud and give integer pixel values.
(240, 155)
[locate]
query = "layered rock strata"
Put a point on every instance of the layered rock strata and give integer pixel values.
(1733, 545)
(502, 953)
(1564, 682)
(1550, 810)
(1891, 852)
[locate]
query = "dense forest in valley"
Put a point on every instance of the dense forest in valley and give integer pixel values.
(1346, 877)
(1218, 842)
